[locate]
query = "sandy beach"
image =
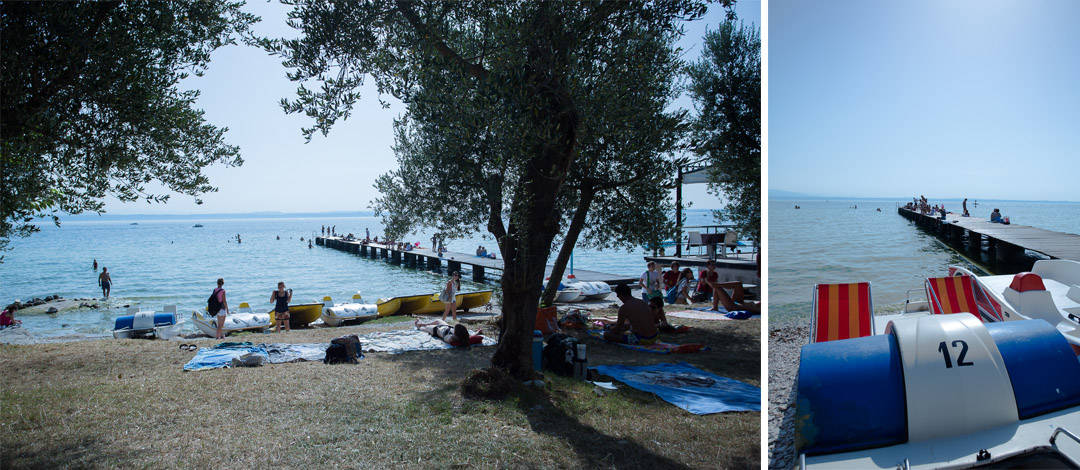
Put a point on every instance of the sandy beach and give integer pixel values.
(107, 403)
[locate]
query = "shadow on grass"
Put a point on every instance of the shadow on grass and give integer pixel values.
(593, 448)
(86, 453)
(733, 353)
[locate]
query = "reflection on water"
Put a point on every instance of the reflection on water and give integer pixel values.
(829, 241)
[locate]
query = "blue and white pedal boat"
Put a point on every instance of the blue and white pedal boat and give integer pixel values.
(940, 391)
(147, 324)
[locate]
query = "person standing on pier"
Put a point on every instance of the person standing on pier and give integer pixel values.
(966, 214)
(449, 295)
(105, 281)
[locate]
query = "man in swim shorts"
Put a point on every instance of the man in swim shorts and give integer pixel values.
(636, 323)
(105, 281)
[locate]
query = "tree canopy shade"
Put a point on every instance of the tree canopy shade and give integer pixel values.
(91, 104)
(513, 109)
(726, 87)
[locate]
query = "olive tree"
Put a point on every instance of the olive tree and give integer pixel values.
(495, 96)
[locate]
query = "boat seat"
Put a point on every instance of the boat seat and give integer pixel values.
(959, 294)
(1029, 296)
(841, 311)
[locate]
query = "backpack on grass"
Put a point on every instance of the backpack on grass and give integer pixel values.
(559, 354)
(343, 350)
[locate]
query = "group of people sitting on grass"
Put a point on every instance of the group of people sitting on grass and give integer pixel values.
(676, 286)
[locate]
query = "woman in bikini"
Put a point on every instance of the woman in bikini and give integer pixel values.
(281, 298)
(449, 295)
(456, 335)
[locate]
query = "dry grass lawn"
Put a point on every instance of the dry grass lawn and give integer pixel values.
(128, 404)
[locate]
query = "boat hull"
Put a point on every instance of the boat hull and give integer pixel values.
(241, 322)
(301, 315)
(339, 314)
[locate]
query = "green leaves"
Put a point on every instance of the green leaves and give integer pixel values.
(91, 104)
(726, 87)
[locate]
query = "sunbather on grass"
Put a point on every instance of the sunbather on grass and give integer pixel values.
(637, 320)
(456, 335)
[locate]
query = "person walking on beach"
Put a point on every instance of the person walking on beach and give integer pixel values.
(105, 281)
(95, 265)
(449, 295)
(650, 282)
(281, 298)
(218, 306)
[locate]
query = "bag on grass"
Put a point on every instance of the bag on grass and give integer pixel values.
(559, 354)
(345, 349)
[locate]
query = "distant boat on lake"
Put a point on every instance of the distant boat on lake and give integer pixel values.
(134, 223)
(197, 226)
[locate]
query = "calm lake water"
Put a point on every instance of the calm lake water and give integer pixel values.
(829, 241)
(161, 262)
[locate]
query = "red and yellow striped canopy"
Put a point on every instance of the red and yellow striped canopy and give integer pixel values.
(951, 295)
(842, 311)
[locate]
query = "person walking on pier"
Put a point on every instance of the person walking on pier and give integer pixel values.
(281, 298)
(105, 281)
(449, 295)
(966, 214)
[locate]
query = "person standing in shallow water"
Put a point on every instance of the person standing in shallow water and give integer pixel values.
(105, 281)
(95, 265)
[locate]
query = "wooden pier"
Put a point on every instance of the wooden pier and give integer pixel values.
(422, 258)
(1006, 243)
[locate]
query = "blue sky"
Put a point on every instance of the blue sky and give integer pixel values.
(241, 90)
(944, 98)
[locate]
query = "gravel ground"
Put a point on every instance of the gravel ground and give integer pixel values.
(785, 342)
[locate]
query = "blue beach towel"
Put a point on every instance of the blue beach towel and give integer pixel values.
(688, 387)
(222, 355)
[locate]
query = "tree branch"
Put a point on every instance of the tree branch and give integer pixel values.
(406, 9)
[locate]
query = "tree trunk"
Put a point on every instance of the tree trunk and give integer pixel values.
(572, 232)
(534, 216)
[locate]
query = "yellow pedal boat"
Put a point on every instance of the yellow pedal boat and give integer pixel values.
(301, 315)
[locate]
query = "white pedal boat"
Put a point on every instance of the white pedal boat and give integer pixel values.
(336, 315)
(940, 391)
(1051, 292)
(147, 324)
(591, 290)
(569, 294)
(241, 320)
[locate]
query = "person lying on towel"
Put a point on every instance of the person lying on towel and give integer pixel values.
(637, 320)
(456, 335)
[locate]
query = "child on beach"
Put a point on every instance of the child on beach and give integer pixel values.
(449, 295)
(650, 282)
(7, 319)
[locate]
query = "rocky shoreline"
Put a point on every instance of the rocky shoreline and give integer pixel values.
(785, 343)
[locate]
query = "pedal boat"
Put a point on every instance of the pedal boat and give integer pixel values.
(591, 290)
(940, 391)
(242, 320)
(302, 314)
(354, 311)
(1050, 292)
(147, 324)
